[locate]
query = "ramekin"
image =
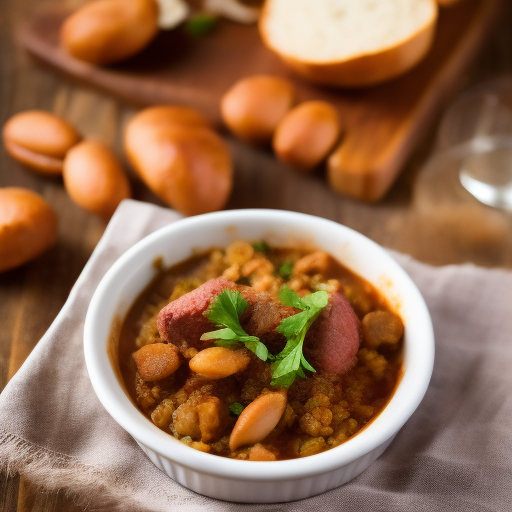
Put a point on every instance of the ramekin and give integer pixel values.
(250, 481)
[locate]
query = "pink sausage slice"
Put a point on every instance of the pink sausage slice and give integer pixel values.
(182, 322)
(333, 340)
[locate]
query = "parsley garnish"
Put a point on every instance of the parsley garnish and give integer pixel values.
(200, 24)
(236, 408)
(225, 312)
(290, 362)
(285, 270)
(261, 246)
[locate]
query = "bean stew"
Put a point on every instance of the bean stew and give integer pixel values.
(261, 353)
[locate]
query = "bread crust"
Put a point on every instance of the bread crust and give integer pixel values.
(446, 3)
(363, 70)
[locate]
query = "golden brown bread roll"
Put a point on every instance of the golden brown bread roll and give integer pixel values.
(28, 226)
(94, 178)
(106, 31)
(253, 107)
(39, 140)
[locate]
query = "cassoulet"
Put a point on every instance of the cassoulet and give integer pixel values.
(261, 353)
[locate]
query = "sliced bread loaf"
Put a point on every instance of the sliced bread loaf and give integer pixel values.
(349, 43)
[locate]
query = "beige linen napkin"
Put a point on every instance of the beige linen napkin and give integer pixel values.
(454, 454)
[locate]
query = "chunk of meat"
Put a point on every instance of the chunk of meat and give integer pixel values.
(259, 452)
(182, 322)
(219, 362)
(186, 421)
(317, 262)
(332, 342)
(202, 417)
(213, 418)
(263, 316)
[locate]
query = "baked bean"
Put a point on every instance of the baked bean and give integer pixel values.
(382, 327)
(239, 252)
(258, 419)
(180, 158)
(259, 266)
(219, 362)
(317, 262)
(232, 273)
(157, 361)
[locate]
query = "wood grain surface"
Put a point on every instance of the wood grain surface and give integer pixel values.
(409, 219)
(382, 124)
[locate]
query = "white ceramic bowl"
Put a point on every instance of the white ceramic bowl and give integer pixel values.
(245, 481)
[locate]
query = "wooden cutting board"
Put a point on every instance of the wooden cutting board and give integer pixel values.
(383, 123)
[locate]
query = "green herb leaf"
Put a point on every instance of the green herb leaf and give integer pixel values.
(316, 300)
(200, 24)
(285, 381)
(236, 408)
(286, 270)
(231, 344)
(261, 246)
(224, 312)
(222, 334)
(305, 364)
(293, 324)
(259, 349)
(289, 298)
(290, 362)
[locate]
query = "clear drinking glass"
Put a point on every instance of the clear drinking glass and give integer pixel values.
(474, 146)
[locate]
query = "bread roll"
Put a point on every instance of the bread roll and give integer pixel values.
(306, 135)
(254, 106)
(106, 31)
(188, 167)
(28, 226)
(349, 43)
(39, 140)
(94, 178)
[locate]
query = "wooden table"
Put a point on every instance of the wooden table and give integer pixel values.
(31, 296)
